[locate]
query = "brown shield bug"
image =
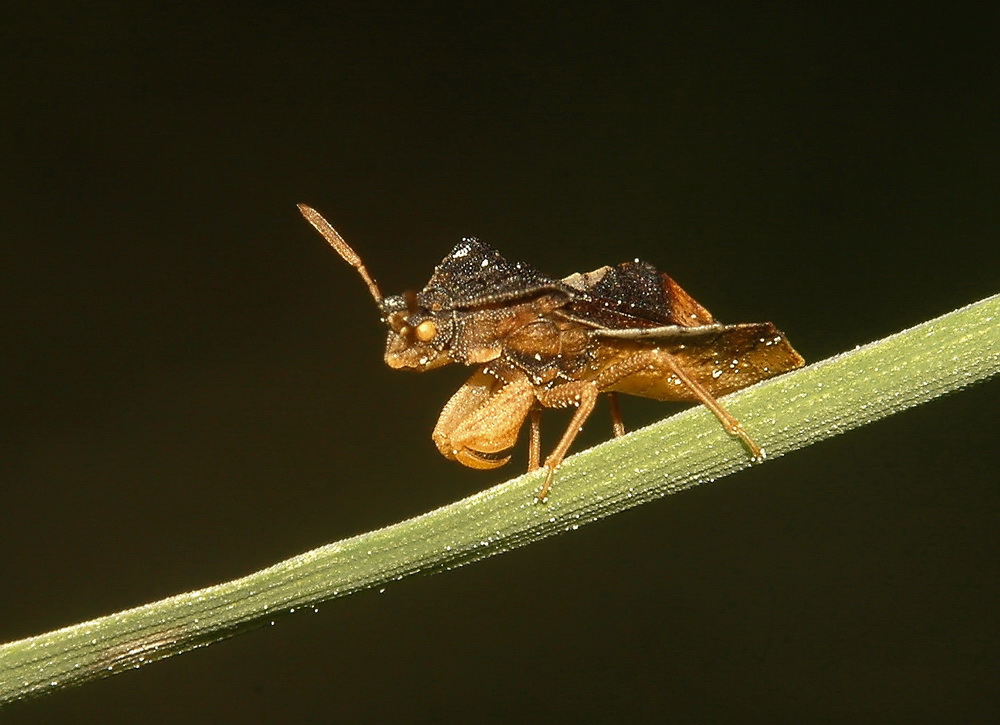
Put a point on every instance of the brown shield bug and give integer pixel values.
(542, 342)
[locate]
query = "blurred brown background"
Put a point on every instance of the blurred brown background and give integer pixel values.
(193, 387)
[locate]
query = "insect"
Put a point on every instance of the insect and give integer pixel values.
(542, 342)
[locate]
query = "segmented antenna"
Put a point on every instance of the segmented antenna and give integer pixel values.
(337, 242)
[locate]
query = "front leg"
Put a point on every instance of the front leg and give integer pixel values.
(479, 425)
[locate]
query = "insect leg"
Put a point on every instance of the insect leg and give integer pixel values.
(535, 439)
(479, 425)
(725, 417)
(579, 393)
(617, 424)
(653, 359)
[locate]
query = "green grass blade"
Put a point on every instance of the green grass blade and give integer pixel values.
(795, 410)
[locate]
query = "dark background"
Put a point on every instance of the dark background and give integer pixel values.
(193, 386)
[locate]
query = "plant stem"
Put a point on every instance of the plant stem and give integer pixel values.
(789, 412)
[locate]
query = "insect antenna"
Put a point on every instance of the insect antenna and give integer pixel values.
(337, 242)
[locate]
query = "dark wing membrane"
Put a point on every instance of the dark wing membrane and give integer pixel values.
(630, 296)
(475, 274)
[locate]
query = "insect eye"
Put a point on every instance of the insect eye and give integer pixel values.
(426, 330)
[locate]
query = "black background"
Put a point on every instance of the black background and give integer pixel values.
(193, 386)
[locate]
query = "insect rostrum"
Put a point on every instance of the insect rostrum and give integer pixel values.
(541, 342)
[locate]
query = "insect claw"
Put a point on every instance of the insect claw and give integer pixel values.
(756, 452)
(543, 493)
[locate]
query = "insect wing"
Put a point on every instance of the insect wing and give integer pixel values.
(633, 297)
